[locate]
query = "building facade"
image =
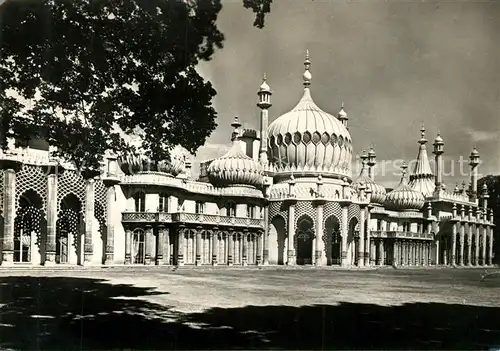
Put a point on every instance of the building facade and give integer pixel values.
(281, 195)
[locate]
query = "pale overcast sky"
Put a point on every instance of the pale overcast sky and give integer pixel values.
(393, 64)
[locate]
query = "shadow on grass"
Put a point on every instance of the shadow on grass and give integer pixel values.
(80, 313)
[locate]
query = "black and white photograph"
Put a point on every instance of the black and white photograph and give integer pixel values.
(249, 174)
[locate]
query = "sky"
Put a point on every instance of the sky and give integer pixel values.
(395, 65)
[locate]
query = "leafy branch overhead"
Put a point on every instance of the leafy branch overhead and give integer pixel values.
(90, 72)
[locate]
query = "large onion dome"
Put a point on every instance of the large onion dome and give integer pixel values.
(132, 164)
(403, 197)
(235, 168)
(377, 190)
(308, 141)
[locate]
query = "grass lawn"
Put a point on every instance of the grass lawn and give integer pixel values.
(157, 308)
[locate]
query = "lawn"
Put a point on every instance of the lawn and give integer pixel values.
(158, 308)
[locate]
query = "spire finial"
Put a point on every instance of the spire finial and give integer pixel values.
(404, 167)
(264, 78)
(307, 74)
(422, 140)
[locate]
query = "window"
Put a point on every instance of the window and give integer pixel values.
(200, 207)
(379, 224)
(251, 211)
(140, 202)
(163, 203)
(231, 209)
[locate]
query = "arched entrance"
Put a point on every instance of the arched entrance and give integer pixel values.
(305, 236)
(28, 228)
(334, 241)
(68, 238)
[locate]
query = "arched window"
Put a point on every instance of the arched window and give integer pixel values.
(140, 201)
(163, 203)
(230, 209)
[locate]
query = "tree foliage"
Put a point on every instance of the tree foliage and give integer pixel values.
(261, 8)
(93, 71)
(90, 69)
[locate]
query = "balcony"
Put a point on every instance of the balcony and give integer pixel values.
(197, 218)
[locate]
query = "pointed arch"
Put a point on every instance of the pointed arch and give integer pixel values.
(29, 226)
(277, 240)
(304, 235)
(333, 240)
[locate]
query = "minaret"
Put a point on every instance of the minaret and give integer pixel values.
(438, 151)
(371, 163)
(473, 162)
(342, 116)
(485, 197)
(264, 104)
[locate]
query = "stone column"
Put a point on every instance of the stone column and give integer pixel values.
(373, 252)
(9, 211)
(50, 242)
(180, 246)
(344, 229)
(260, 238)
(454, 243)
(148, 238)
(215, 246)
(128, 246)
(110, 225)
(265, 237)
(483, 253)
(319, 234)
(166, 247)
(462, 241)
(490, 257)
(476, 244)
(362, 228)
(198, 246)
(368, 245)
(230, 248)
(244, 254)
(469, 244)
(88, 248)
(396, 254)
(291, 234)
(160, 241)
(381, 253)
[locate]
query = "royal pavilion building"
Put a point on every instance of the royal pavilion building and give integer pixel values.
(283, 195)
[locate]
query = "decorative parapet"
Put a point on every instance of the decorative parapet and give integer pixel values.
(163, 179)
(197, 218)
(409, 235)
(445, 196)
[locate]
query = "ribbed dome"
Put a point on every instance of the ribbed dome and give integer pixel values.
(403, 197)
(309, 141)
(235, 168)
(131, 164)
(377, 190)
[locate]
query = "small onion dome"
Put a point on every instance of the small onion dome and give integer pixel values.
(264, 87)
(235, 168)
(342, 114)
(377, 190)
(439, 140)
(403, 197)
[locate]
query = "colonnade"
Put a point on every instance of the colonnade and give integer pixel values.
(182, 245)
